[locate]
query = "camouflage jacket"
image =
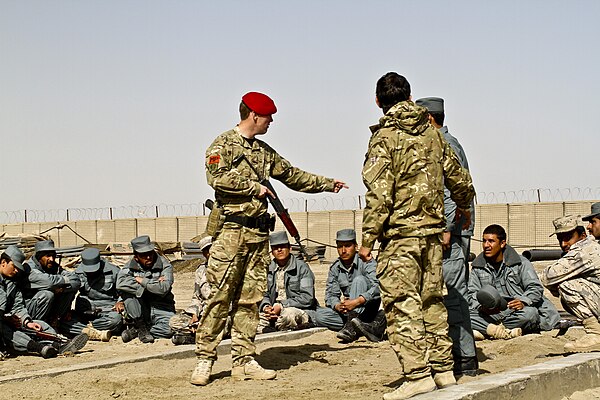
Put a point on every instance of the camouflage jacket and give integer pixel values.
(236, 185)
(407, 164)
(582, 261)
(201, 292)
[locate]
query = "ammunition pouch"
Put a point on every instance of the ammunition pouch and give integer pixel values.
(216, 219)
(264, 223)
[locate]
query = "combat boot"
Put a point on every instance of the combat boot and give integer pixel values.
(143, 332)
(590, 341)
(348, 334)
(201, 374)
(46, 351)
(252, 370)
(478, 335)
(444, 379)
(95, 334)
(73, 345)
(374, 330)
(501, 332)
(129, 334)
(183, 338)
(412, 388)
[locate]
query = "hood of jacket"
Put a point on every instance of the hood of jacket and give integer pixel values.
(407, 117)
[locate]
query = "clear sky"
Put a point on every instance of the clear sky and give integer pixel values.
(109, 103)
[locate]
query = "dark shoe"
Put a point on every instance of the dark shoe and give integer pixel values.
(48, 352)
(348, 334)
(374, 330)
(466, 366)
(74, 345)
(129, 334)
(143, 332)
(179, 339)
(269, 329)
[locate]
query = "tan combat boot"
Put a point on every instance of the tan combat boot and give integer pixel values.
(201, 374)
(478, 335)
(95, 334)
(252, 370)
(501, 332)
(412, 388)
(444, 379)
(588, 342)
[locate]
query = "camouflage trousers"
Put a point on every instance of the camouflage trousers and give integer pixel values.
(181, 323)
(580, 297)
(410, 278)
(237, 273)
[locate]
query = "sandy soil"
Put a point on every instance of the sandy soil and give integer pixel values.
(317, 367)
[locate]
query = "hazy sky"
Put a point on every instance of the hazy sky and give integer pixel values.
(109, 103)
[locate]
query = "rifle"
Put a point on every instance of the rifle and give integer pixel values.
(47, 335)
(281, 211)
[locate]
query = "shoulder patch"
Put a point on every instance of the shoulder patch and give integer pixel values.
(214, 159)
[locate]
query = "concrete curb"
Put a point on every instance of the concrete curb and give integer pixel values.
(178, 352)
(550, 380)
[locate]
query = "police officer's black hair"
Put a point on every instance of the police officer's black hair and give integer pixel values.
(580, 230)
(438, 117)
(391, 89)
(5, 257)
(495, 230)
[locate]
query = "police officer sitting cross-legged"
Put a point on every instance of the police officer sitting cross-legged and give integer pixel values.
(145, 284)
(352, 294)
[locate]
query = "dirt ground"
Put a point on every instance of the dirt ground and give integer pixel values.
(316, 367)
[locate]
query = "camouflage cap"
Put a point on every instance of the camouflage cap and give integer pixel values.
(346, 235)
(205, 242)
(432, 104)
(566, 223)
(16, 256)
(595, 212)
(277, 238)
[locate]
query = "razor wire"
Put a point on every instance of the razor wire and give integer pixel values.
(293, 204)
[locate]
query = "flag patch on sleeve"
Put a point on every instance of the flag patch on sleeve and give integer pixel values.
(214, 159)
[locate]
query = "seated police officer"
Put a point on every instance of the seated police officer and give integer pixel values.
(145, 284)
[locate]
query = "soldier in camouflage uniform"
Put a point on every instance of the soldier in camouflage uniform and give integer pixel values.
(407, 164)
(236, 164)
(184, 324)
(575, 278)
(457, 247)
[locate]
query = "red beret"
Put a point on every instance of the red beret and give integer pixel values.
(259, 103)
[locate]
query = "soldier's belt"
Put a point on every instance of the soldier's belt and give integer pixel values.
(264, 223)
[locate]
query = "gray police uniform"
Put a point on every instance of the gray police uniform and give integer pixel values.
(455, 267)
(515, 279)
(13, 307)
(151, 300)
(39, 290)
(360, 280)
(299, 290)
(97, 297)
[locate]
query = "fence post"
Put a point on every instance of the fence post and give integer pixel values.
(25, 212)
(67, 214)
(110, 213)
(156, 208)
(539, 197)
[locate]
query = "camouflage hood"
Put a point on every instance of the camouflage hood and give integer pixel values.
(407, 117)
